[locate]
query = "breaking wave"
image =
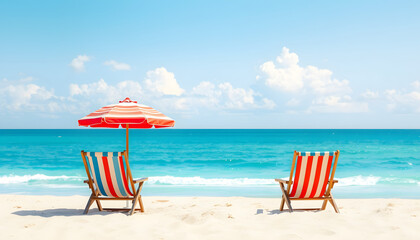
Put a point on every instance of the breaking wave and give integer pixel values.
(37, 177)
(200, 181)
(171, 180)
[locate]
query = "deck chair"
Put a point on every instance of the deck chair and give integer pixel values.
(313, 179)
(109, 178)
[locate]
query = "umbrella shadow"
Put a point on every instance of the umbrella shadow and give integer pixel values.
(60, 212)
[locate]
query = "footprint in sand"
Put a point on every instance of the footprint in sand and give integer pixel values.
(228, 205)
(162, 201)
(17, 207)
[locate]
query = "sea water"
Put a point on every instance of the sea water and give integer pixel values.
(212, 162)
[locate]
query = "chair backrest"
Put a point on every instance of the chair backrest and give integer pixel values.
(110, 175)
(312, 173)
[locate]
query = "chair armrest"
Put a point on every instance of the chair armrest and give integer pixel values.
(334, 181)
(87, 181)
(140, 180)
(282, 181)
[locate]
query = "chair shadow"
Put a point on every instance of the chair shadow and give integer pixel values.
(277, 211)
(61, 212)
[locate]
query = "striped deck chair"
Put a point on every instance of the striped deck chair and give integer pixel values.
(109, 178)
(313, 179)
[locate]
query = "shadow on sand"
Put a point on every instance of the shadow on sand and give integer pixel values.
(277, 211)
(60, 212)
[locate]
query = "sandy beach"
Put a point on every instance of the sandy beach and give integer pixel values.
(52, 217)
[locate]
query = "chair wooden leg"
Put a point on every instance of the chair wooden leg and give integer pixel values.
(324, 204)
(282, 204)
(140, 200)
(141, 204)
(285, 198)
(98, 203)
(134, 206)
(334, 204)
(89, 203)
(137, 197)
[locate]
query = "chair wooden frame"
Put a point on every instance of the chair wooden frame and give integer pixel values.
(327, 195)
(96, 197)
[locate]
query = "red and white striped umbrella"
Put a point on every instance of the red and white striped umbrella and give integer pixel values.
(127, 114)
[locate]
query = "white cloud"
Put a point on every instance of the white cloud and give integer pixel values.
(289, 76)
(20, 95)
(321, 82)
(117, 65)
(338, 104)
(416, 84)
(238, 97)
(225, 96)
(162, 82)
(308, 85)
(78, 63)
(160, 89)
(293, 102)
(368, 94)
(403, 101)
(104, 93)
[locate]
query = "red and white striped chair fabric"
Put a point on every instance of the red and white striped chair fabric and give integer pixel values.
(109, 178)
(109, 174)
(311, 174)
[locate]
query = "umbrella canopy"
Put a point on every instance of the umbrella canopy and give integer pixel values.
(127, 114)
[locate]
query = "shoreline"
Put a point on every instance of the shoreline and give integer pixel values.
(36, 217)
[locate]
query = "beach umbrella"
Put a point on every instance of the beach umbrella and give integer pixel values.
(126, 114)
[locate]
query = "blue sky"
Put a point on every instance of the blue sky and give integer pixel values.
(213, 64)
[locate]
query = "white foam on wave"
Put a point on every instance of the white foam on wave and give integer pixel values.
(342, 182)
(358, 181)
(171, 180)
(200, 181)
(61, 186)
(36, 177)
(400, 180)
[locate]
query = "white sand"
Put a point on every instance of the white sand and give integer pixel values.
(51, 217)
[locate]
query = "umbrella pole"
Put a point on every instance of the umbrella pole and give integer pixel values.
(126, 148)
(126, 140)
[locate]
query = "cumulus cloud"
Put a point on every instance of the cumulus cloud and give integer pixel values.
(321, 82)
(162, 82)
(289, 76)
(225, 96)
(117, 65)
(21, 95)
(308, 85)
(368, 94)
(105, 93)
(78, 63)
(205, 95)
(401, 101)
(293, 102)
(338, 104)
(416, 84)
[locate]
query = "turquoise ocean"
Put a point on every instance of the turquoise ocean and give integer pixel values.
(212, 162)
